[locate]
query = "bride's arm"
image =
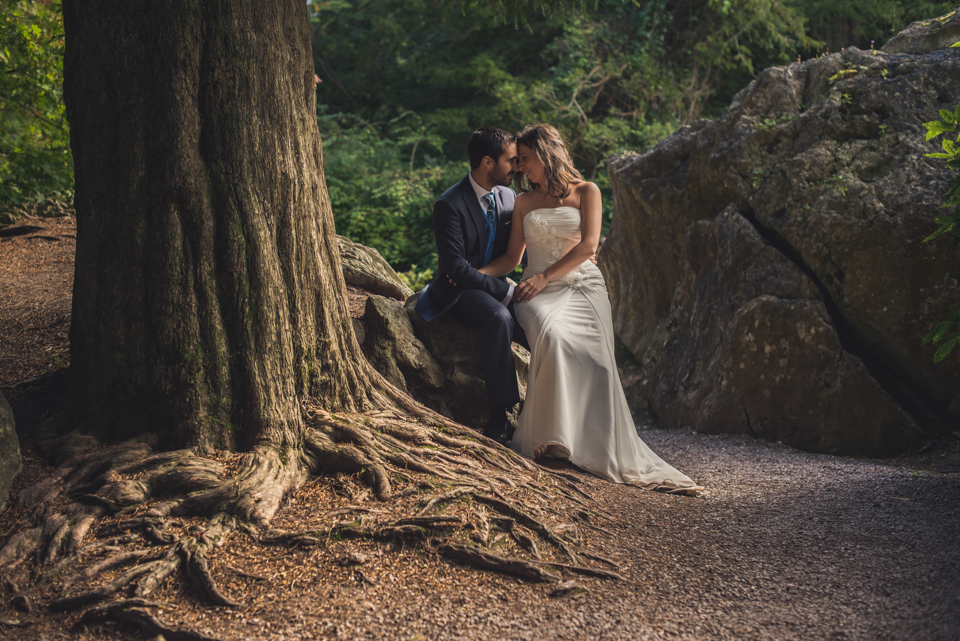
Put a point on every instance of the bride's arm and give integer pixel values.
(590, 211)
(508, 261)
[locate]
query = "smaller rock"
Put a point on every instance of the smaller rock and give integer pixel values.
(437, 363)
(360, 330)
(53, 208)
(457, 350)
(567, 587)
(365, 268)
(394, 350)
(354, 558)
(10, 460)
(22, 603)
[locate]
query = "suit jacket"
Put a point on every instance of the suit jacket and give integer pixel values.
(460, 229)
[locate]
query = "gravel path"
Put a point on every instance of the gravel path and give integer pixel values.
(784, 545)
(799, 546)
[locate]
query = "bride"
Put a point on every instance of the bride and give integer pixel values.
(575, 407)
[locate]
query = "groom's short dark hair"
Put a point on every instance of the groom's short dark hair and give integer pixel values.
(487, 141)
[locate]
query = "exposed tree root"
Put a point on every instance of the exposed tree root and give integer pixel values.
(197, 562)
(582, 569)
(445, 485)
(602, 559)
(92, 596)
(134, 611)
(106, 564)
(479, 558)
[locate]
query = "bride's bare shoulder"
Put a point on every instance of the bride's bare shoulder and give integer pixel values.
(581, 194)
(523, 204)
(586, 188)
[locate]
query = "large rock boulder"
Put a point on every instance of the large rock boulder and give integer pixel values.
(10, 461)
(456, 348)
(749, 347)
(767, 267)
(365, 268)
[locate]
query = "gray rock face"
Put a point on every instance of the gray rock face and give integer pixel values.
(10, 461)
(767, 267)
(456, 348)
(749, 347)
(394, 350)
(365, 268)
(927, 36)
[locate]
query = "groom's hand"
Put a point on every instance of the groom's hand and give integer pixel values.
(451, 280)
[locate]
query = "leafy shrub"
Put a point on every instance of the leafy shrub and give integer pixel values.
(35, 159)
(947, 331)
(416, 278)
(383, 180)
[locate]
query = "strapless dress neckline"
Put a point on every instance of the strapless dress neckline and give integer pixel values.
(533, 211)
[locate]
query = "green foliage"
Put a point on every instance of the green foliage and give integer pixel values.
(732, 40)
(845, 73)
(948, 331)
(383, 179)
(416, 278)
(866, 24)
(406, 81)
(617, 77)
(950, 124)
(35, 159)
(516, 11)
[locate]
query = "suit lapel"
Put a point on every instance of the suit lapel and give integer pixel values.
(502, 227)
(476, 213)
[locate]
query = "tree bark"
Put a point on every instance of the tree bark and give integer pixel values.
(208, 298)
(209, 309)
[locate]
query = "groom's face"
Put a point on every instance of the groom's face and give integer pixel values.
(506, 166)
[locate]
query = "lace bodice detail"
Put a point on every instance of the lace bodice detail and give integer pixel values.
(550, 233)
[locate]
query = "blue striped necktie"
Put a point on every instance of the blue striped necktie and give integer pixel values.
(491, 216)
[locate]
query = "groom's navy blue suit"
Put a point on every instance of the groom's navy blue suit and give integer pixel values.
(461, 233)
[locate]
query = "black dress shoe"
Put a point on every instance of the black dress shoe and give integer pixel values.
(496, 427)
(499, 437)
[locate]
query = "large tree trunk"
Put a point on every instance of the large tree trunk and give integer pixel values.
(209, 309)
(208, 298)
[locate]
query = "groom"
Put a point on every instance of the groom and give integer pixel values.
(472, 222)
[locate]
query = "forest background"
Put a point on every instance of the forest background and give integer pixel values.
(404, 82)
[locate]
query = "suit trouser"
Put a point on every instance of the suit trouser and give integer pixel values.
(498, 328)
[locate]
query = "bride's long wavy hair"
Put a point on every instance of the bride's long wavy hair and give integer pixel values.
(550, 147)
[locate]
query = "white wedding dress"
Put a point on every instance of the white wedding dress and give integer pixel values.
(575, 404)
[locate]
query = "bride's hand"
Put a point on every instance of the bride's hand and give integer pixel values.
(529, 288)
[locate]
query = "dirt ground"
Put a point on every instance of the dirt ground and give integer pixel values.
(783, 544)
